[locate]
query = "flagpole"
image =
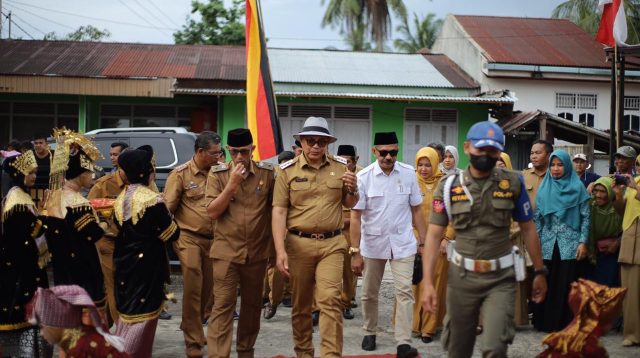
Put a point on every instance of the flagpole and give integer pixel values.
(614, 108)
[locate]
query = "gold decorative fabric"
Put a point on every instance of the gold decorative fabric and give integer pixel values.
(25, 163)
(595, 307)
(141, 199)
(17, 199)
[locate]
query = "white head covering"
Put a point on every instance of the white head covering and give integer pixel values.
(454, 151)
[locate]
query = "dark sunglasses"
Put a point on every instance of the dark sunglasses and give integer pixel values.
(235, 152)
(320, 142)
(384, 153)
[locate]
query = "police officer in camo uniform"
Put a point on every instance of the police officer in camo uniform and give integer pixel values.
(480, 203)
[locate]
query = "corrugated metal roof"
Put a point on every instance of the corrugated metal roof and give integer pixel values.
(556, 42)
(378, 96)
(451, 71)
(359, 68)
(120, 60)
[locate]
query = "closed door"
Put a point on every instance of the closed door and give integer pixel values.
(418, 134)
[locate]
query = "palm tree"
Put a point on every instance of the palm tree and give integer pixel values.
(585, 14)
(374, 15)
(426, 31)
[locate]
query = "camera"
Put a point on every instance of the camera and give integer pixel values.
(620, 180)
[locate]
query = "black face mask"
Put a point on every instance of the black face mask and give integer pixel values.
(483, 163)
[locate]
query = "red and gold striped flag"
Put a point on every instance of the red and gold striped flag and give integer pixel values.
(262, 114)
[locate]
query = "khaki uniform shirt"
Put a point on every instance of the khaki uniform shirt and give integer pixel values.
(243, 231)
(313, 196)
(184, 197)
(482, 228)
(109, 187)
(532, 182)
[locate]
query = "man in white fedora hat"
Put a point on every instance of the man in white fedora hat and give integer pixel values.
(309, 193)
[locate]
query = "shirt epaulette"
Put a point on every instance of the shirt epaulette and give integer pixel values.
(219, 168)
(287, 164)
(181, 167)
(339, 159)
(265, 165)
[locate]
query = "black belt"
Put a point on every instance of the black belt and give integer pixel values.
(317, 236)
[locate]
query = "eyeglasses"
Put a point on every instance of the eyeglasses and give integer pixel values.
(235, 152)
(217, 154)
(384, 153)
(320, 142)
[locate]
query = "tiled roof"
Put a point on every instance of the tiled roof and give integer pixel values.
(226, 63)
(534, 41)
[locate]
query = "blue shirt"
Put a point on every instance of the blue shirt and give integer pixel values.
(588, 178)
(552, 230)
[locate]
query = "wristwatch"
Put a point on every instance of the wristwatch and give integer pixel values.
(354, 250)
(544, 271)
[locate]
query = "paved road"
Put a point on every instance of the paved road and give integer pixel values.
(275, 334)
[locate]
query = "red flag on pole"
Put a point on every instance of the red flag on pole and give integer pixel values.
(262, 114)
(613, 24)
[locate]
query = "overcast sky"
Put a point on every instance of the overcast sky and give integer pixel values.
(288, 23)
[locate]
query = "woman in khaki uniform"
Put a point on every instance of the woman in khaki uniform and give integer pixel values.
(428, 173)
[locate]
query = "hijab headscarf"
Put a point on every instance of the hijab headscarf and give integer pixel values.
(605, 221)
(563, 196)
(632, 209)
(432, 155)
(454, 152)
(507, 160)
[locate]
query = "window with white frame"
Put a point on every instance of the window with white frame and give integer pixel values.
(631, 119)
(577, 105)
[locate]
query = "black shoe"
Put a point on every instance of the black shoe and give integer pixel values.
(287, 302)
(426, 339)
(265, 301)
(369, 343)
(406, 351)
(315, 317)
(236, 315)
(347, 313)
(354, 304)
(164, 315)
(269, 311)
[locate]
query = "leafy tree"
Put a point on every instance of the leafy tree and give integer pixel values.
(217, 25)
(585, 14)
(83, 33)
(426, 30)
(371, 17)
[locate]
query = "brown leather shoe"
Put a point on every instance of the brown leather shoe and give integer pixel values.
(269, 311)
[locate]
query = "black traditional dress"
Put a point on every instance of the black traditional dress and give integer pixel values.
(141, 264)
(23, 259)
(71, 239)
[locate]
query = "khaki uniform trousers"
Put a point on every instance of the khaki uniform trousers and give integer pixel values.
(629, 260)
(402, 271)
(274, 286)
(227, 277)
(105, 248)
(427, 323)
(467, 294)
(319, 264)
(349, 279)
(197, 296)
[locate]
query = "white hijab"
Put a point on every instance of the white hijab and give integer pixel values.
(454, 152)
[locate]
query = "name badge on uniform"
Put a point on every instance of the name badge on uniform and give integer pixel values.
(259, 187)
(299, 180)
(192, 185)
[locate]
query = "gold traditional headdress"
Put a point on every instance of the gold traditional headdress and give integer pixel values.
(25, 163)
(68, 143)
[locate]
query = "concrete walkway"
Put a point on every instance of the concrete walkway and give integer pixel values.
(275, 335)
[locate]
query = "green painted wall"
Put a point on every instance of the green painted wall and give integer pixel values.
(231, 115)
(388, 116)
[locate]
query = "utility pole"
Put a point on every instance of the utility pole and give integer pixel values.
(9, 19)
